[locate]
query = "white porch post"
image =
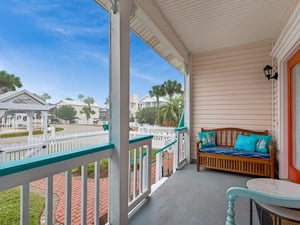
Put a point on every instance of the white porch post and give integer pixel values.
(187, 109)
(45, 124)
(30, 124)
(119, 117)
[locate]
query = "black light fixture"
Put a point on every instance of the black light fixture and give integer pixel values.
(268, 72)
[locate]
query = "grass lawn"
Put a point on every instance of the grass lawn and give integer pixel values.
(25, 133)
(10, 207)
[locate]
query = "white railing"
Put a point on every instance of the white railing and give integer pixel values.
(180, 157)
(19, 151)
(58, 143)
(146, 129)
(139, 170)
(159, 138)
(175, 148)
(170, 148)
(65, 142)
(26, 172)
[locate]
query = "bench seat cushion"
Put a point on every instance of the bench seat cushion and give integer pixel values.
(233, 152)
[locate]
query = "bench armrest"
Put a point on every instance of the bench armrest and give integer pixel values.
(198, 145)
(271, 152)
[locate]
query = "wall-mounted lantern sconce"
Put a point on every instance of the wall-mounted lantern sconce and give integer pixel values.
(268, 72)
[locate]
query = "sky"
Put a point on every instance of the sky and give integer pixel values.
(60, 47)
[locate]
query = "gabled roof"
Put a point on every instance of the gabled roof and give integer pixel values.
(22, 101)
(21, 97)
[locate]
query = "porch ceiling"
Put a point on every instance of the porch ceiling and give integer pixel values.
(176, 28)
(204, 25)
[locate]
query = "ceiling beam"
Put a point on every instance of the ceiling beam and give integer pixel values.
(151, 16)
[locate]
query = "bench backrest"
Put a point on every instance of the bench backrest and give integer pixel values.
(227, 136)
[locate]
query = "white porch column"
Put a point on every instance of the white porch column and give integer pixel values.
(30, 124)
(45, 124)
(119, 117)
(187, 109)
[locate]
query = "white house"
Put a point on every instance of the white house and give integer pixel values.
(133, 105)
(78, 107)
(148, 101)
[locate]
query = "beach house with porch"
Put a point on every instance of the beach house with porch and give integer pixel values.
(221, 49)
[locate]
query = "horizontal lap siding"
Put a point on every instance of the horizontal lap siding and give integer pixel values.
(275, 119)
(230, 90)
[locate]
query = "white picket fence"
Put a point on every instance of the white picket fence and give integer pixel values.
(65, 142)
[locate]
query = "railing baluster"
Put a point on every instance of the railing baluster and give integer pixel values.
(129, 176)
(83, 194)
(24, 204)
(134, 172)
(68, 196)
(141, 173)
(158, 167)
(49, 200)
(96, 192)
(146, 171)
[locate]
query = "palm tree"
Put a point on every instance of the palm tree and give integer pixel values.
(170, 112)
(45, 97)
(89, 101)
(157, 91)
(87, 110)
(8, 82)
(80, 97)
(171, 87)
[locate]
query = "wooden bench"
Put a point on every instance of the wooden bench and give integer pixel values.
(226, 137)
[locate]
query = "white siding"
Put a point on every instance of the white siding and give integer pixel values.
(229, 89)
(275, 119)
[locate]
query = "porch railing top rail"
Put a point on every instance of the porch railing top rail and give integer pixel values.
(180, 128)
(165, 147)
(35, 162)
(140, 138)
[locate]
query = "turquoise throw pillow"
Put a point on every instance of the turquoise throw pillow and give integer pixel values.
(262, 143)
(207, 139)
(245, 143)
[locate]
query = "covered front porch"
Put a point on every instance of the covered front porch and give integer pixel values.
(221, 51)
(190, 197)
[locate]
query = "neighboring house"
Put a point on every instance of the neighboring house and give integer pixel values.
(148, 101)
(133, 105)
(78, 107)
(104, 114)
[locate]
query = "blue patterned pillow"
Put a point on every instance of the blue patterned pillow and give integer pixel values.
(207, 139)
(246, 143)
(262, 143)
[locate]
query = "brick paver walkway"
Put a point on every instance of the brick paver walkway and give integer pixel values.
(59, 194)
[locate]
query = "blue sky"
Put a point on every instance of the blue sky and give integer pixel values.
(61, 47)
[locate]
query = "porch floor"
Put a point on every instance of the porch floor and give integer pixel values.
(194, 198)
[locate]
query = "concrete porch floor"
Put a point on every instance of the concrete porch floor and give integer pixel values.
(194, 198)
